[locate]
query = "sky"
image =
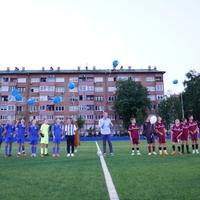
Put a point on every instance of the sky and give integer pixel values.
(71, 33)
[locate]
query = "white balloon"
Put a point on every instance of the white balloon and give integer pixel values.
(153, 119)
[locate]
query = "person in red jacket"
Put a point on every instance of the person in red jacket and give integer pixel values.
(161, 132)
(134, 134)
(193, 130)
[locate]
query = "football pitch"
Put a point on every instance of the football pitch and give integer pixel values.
(135, 177)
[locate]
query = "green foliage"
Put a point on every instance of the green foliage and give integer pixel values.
(191, 96)
(170, 109)
(80, 121)
(131, 101)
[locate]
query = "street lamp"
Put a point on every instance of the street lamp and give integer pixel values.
(175, 82)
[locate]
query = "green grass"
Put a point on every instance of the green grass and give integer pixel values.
(135, 177)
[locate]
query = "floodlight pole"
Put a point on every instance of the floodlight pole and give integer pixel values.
(182, 108)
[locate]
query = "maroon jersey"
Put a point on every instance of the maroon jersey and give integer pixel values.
(133, 128)
(160, 127)
(193, 126)
(185, 128)
(176, 131)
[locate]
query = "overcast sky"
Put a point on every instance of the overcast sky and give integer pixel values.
(71, 33)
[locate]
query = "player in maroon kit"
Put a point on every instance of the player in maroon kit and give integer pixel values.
(161, 132)
(193, 130)
(184, 136)
(176, 134)
(133, 131)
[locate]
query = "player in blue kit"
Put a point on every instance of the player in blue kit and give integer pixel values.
(57, 133)
(1, 133)
(9, 137)
(33, 137)
(21, 128)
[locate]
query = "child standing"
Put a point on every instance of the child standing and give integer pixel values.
(161, 132)
(44, 133)
(20, 127)
(1, 133)
(9, 137)
(70, 129)
(193, 129)
(149, 131)
(184, 136)
(33, 137)
(133, 131)
(57, 136)
(176, 134)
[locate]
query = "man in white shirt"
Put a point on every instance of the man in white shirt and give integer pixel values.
(105, 124)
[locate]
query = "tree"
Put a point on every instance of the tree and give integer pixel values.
(191, 96)
(131, 101)
(170, 109)
(80, 122)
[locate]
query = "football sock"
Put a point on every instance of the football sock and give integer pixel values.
(133, 148)
(173, 147)
(197, 146)
(10, 149)
(192, 146)
(179, 149)
(138, 148)
(149, 149)
(45, 150)
(58, 149)
(187, 148)
(54, 150)
(32, 149)
(154, 148)
(182, 148)
(42, 150)
(160, 148)
(6, 150)
(19, 148)
(164, 148)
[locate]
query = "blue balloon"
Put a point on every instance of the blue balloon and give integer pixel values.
(18, 97)
(71, 86)
(30, 101)
(115, 63)
(15, 92)
(56, 99)
(175, 81)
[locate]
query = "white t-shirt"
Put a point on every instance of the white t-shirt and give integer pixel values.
(104, 125)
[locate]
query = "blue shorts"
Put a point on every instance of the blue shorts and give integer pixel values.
(9, 139)
(20, 140)
(57, 140)
(34, 141)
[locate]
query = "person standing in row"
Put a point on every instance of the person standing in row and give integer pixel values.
(57, 132)
(70, 129)
(149, 133)
(1, 133)
(161, 132)
(21, 128)
(184, 136)
(193, 129)
(44, 133)
(33, 137)
(105, 124)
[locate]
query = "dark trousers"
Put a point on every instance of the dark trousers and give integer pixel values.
(108, 139)
(70, 143)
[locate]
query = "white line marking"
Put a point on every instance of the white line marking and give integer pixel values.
(109, 183)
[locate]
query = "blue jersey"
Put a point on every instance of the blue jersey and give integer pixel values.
(33, 132)
(57, 130)
(1, 130)
(21, 131)
(10, 129)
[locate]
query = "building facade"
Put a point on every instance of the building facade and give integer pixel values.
(94, 93)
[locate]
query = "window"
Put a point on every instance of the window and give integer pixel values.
(152, 97)
(60, 79)
(3, 117)
(160, 87)
(21, 80)
(82, 107)
(61, 117)
(51, 79)
(73, 108)
(99, 108)
(73, 79)
(110, 79)
(35, 89)
(111, 98)
(4, 98)
(98, 89)
(80, 97)
(50, 107)
(43, 98)
(42, 108)
(98, 79)
(33, 108)
(4, 88)
(59, 108)
(21, 89)
(20, 108)
(82, 88)
(50, 117)
(35, 80)
(99, 98)
(43, 79)
(111, 89)
(5, 79)
(89, 97)
(89, 117)
(150, 79)
(160, 97)
(151, 88)
(90, 79)
(122, 78)
(3, 107)
(90, 107)
(13, 80)
(60, 89)
(137, 79)
(51, 88)
(90, 88)
(73, 99)
(11, 108)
